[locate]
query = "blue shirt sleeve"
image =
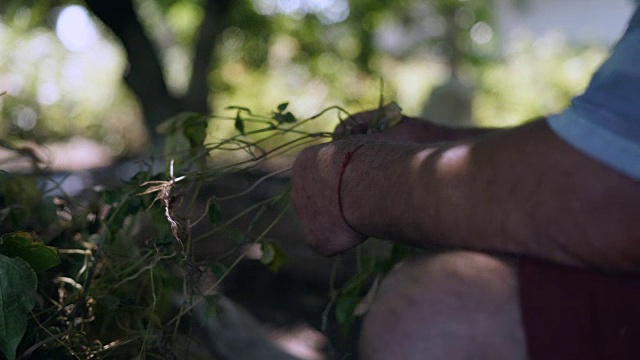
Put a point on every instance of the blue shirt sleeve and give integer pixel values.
(604, 122)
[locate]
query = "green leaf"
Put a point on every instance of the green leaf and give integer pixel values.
(140, 177)
(282, 107)
(112, 196)
(398, 253)
(268, 253)
(20, 190)
(211, 307)
(218, 269)
(46, 212)
(273, 256)
(284, 118)
(289, 118)
(236, 235)
(214, 212)
(18, 285)
(356, 285)
(164, 240)
(195, 130)
(239, 123)
(345, 307)
(21, 244)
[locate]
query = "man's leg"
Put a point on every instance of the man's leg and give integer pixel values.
(450, 306)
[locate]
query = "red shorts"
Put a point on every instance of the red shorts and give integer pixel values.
(573, 314)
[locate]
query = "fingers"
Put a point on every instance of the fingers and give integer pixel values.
(370, 122)
(330, 243)
(354, 125)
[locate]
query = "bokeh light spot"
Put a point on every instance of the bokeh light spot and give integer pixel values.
(481, 33)
(327, 11)
(26, 119)
(75, 29)
(48, 93)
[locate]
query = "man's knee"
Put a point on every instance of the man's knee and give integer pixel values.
(455, 305)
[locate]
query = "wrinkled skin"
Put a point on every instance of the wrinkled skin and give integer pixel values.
(325, 230)
(507, 192)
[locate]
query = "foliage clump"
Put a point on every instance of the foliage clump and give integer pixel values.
(117, 268)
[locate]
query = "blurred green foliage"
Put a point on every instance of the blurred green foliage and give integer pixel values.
(314, 55)
(54, 93)
(111, 263)
(536, 77)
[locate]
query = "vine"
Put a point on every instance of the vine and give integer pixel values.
(111, 263)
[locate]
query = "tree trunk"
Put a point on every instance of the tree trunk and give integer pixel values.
(144, 74)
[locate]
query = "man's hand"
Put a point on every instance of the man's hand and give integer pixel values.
(316, 174)
(399, 128)
(388, 124)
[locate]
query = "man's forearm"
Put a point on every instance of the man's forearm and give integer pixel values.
(424, 131)
(521, 191)
(456, 134)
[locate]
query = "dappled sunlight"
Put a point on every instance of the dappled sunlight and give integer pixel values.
(454, 160)
(75, 29)
(448, 161)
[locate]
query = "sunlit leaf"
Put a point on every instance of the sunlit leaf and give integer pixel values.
(345, 307)
(18, 284)
(357, 285)
(21, 244)
(268, 253)
(273, 256)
